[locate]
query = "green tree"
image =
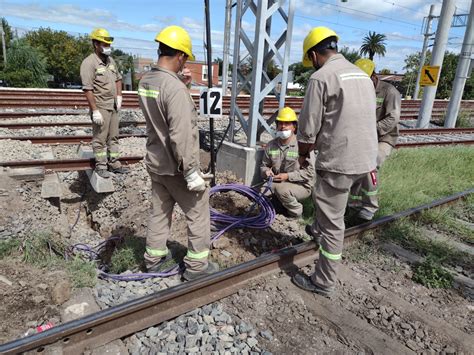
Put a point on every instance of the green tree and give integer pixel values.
(385, 71)
(64, 52)
(219, 61)
(301, 74)
(372, 44)
(124, 61)
(350, 54)
(8, 38)
(26, 66)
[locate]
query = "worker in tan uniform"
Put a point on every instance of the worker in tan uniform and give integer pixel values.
(363, 198)
(338, 120)
(102, 85)
(280, 161)
(172, 157)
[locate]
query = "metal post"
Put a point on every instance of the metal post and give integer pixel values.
(4, 47)
(209, 85)
(423, 51)
(225, 59)
(442, 32)
(261, 50)
(462, 72)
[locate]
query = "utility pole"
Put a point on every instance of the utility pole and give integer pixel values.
(209, 85)
(441, 40)
(4, 48)
(462, 72)
(225, 60)
(427, 35)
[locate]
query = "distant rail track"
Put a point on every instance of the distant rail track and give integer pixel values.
(74, 99)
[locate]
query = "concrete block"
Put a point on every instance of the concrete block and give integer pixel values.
(27, 174)
(51, 186)
(244, 162)
(81, 304)
(85, 152)
(100, 185)
(47, 154)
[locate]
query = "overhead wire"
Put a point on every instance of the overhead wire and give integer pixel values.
(355, 27)
(370, 14)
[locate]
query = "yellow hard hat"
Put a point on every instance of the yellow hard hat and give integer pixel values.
(177, 38)
(287, 114)
(315, 36)
(366, 65)
(101, 35)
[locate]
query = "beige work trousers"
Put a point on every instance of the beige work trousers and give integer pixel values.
(166, 191)
(289, 194)
(105, 140)
(364, 195)
(330, 196)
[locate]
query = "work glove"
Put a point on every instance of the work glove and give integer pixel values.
(206, 176)
(119, 102)
(195, 182)
(97, 118)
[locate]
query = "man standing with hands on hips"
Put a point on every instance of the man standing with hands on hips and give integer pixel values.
(172, 157)
(102, 85)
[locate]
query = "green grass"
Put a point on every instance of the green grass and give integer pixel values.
(430, 274)
(8, 247)
(128, 255)
(412, 177)
(464, 120)
(409, 235)
(81, 273)
(41, 249)
(445, 220)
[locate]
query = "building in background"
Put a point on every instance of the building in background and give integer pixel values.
(198, 71)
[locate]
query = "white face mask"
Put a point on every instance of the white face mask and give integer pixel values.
(107, 51)
(284, 134)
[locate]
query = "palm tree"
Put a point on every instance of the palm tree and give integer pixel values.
(351, 54)
(373, 43)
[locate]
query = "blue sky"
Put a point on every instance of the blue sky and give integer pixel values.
(134, 24)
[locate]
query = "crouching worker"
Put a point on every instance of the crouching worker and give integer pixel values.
(172, 157)
(291, 184)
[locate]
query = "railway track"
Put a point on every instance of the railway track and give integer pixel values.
(75, 99)
(73, 139)
(107, 325)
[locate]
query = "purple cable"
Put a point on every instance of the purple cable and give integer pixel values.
(261, 221)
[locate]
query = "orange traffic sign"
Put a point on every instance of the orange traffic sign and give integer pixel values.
(429, 75)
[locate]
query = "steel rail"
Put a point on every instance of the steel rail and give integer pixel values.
(64, 164)
(63, 139)
(411, 131)
(71, 139)
(428, 131)
(102, 327)
(6, 115)
(437, 143)
(64, 124)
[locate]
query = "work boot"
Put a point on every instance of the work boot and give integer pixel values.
(103, 173)
(165, 264)
(119, 170)
(356, 220)
(309, 231)
(190, 276)
(304, 282)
